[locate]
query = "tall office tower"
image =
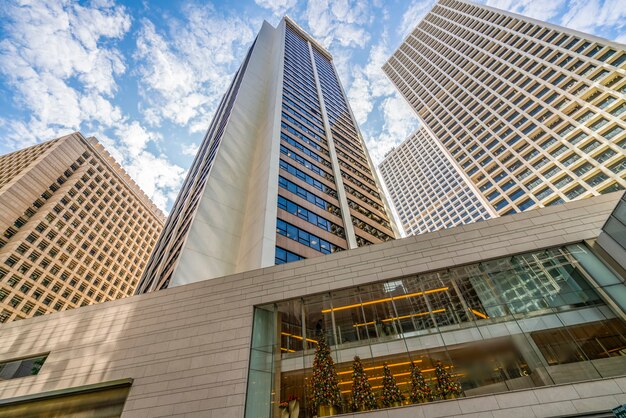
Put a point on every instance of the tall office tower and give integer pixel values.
(533, 113)
(427, 190)
(282, 174)
(75, 229)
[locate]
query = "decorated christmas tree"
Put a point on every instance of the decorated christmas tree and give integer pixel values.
(445, 385)
(391, 395)
(420, 391)
(325, 389)
(362, 395)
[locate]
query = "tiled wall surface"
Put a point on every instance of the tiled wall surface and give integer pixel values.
(187, 347)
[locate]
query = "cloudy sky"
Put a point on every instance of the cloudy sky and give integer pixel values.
(144, 77)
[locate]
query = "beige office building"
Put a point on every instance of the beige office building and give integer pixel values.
(427, 189)
(533, 113)
(75, 229)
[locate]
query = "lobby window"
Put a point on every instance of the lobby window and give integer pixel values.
(522, 321)
(21, 367)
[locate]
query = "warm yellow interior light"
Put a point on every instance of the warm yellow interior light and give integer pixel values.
(297, 337)
(479, 314)
(404, 363)
(395, 318)
(389, 299)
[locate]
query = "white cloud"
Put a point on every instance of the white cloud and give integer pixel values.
(399, 122)
(135, 138)
(369, 93)
(591, 16)
(61, 61)
(413, 15)
(339, 21)
(537, 9)
(159, 178)
(369, 82)
(359, 97)
(278, 7)
(595, 15)
(184, 73)
(621, 38)
(190, 149)
(55, 60)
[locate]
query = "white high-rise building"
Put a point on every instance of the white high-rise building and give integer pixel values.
(426, 189)
(282, 174)
(533, 113)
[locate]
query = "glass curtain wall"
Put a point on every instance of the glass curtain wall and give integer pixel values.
(518, 322)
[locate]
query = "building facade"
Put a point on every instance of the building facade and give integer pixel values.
(282, 174)
(533, 113)
(613, 236)
(76, 230)
(426, 189)
(525, 312)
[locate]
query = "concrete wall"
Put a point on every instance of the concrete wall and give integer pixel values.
(233, 202)
(607, 240)
(187, 347)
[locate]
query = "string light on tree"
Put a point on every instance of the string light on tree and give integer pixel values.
(362, 396)
(325, 387)
(445, 385)
(420, 390)
(391, 395)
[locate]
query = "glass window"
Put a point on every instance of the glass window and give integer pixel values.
(283, 256)
(526, 204)
(522, 321)
(516, 194)
(21, 367)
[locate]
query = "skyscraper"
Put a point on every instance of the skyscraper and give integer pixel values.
(282, 173)
(76, 230)
(533, 113)
(427, 190)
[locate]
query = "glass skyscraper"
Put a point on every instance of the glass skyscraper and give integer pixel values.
(282, 174)
(533, 113)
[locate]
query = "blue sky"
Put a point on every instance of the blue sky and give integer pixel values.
(144, 77)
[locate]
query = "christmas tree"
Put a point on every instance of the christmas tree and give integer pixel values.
(362, 396)
(445, 385)
(420, 391)
(391, 393)
(324, 382)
